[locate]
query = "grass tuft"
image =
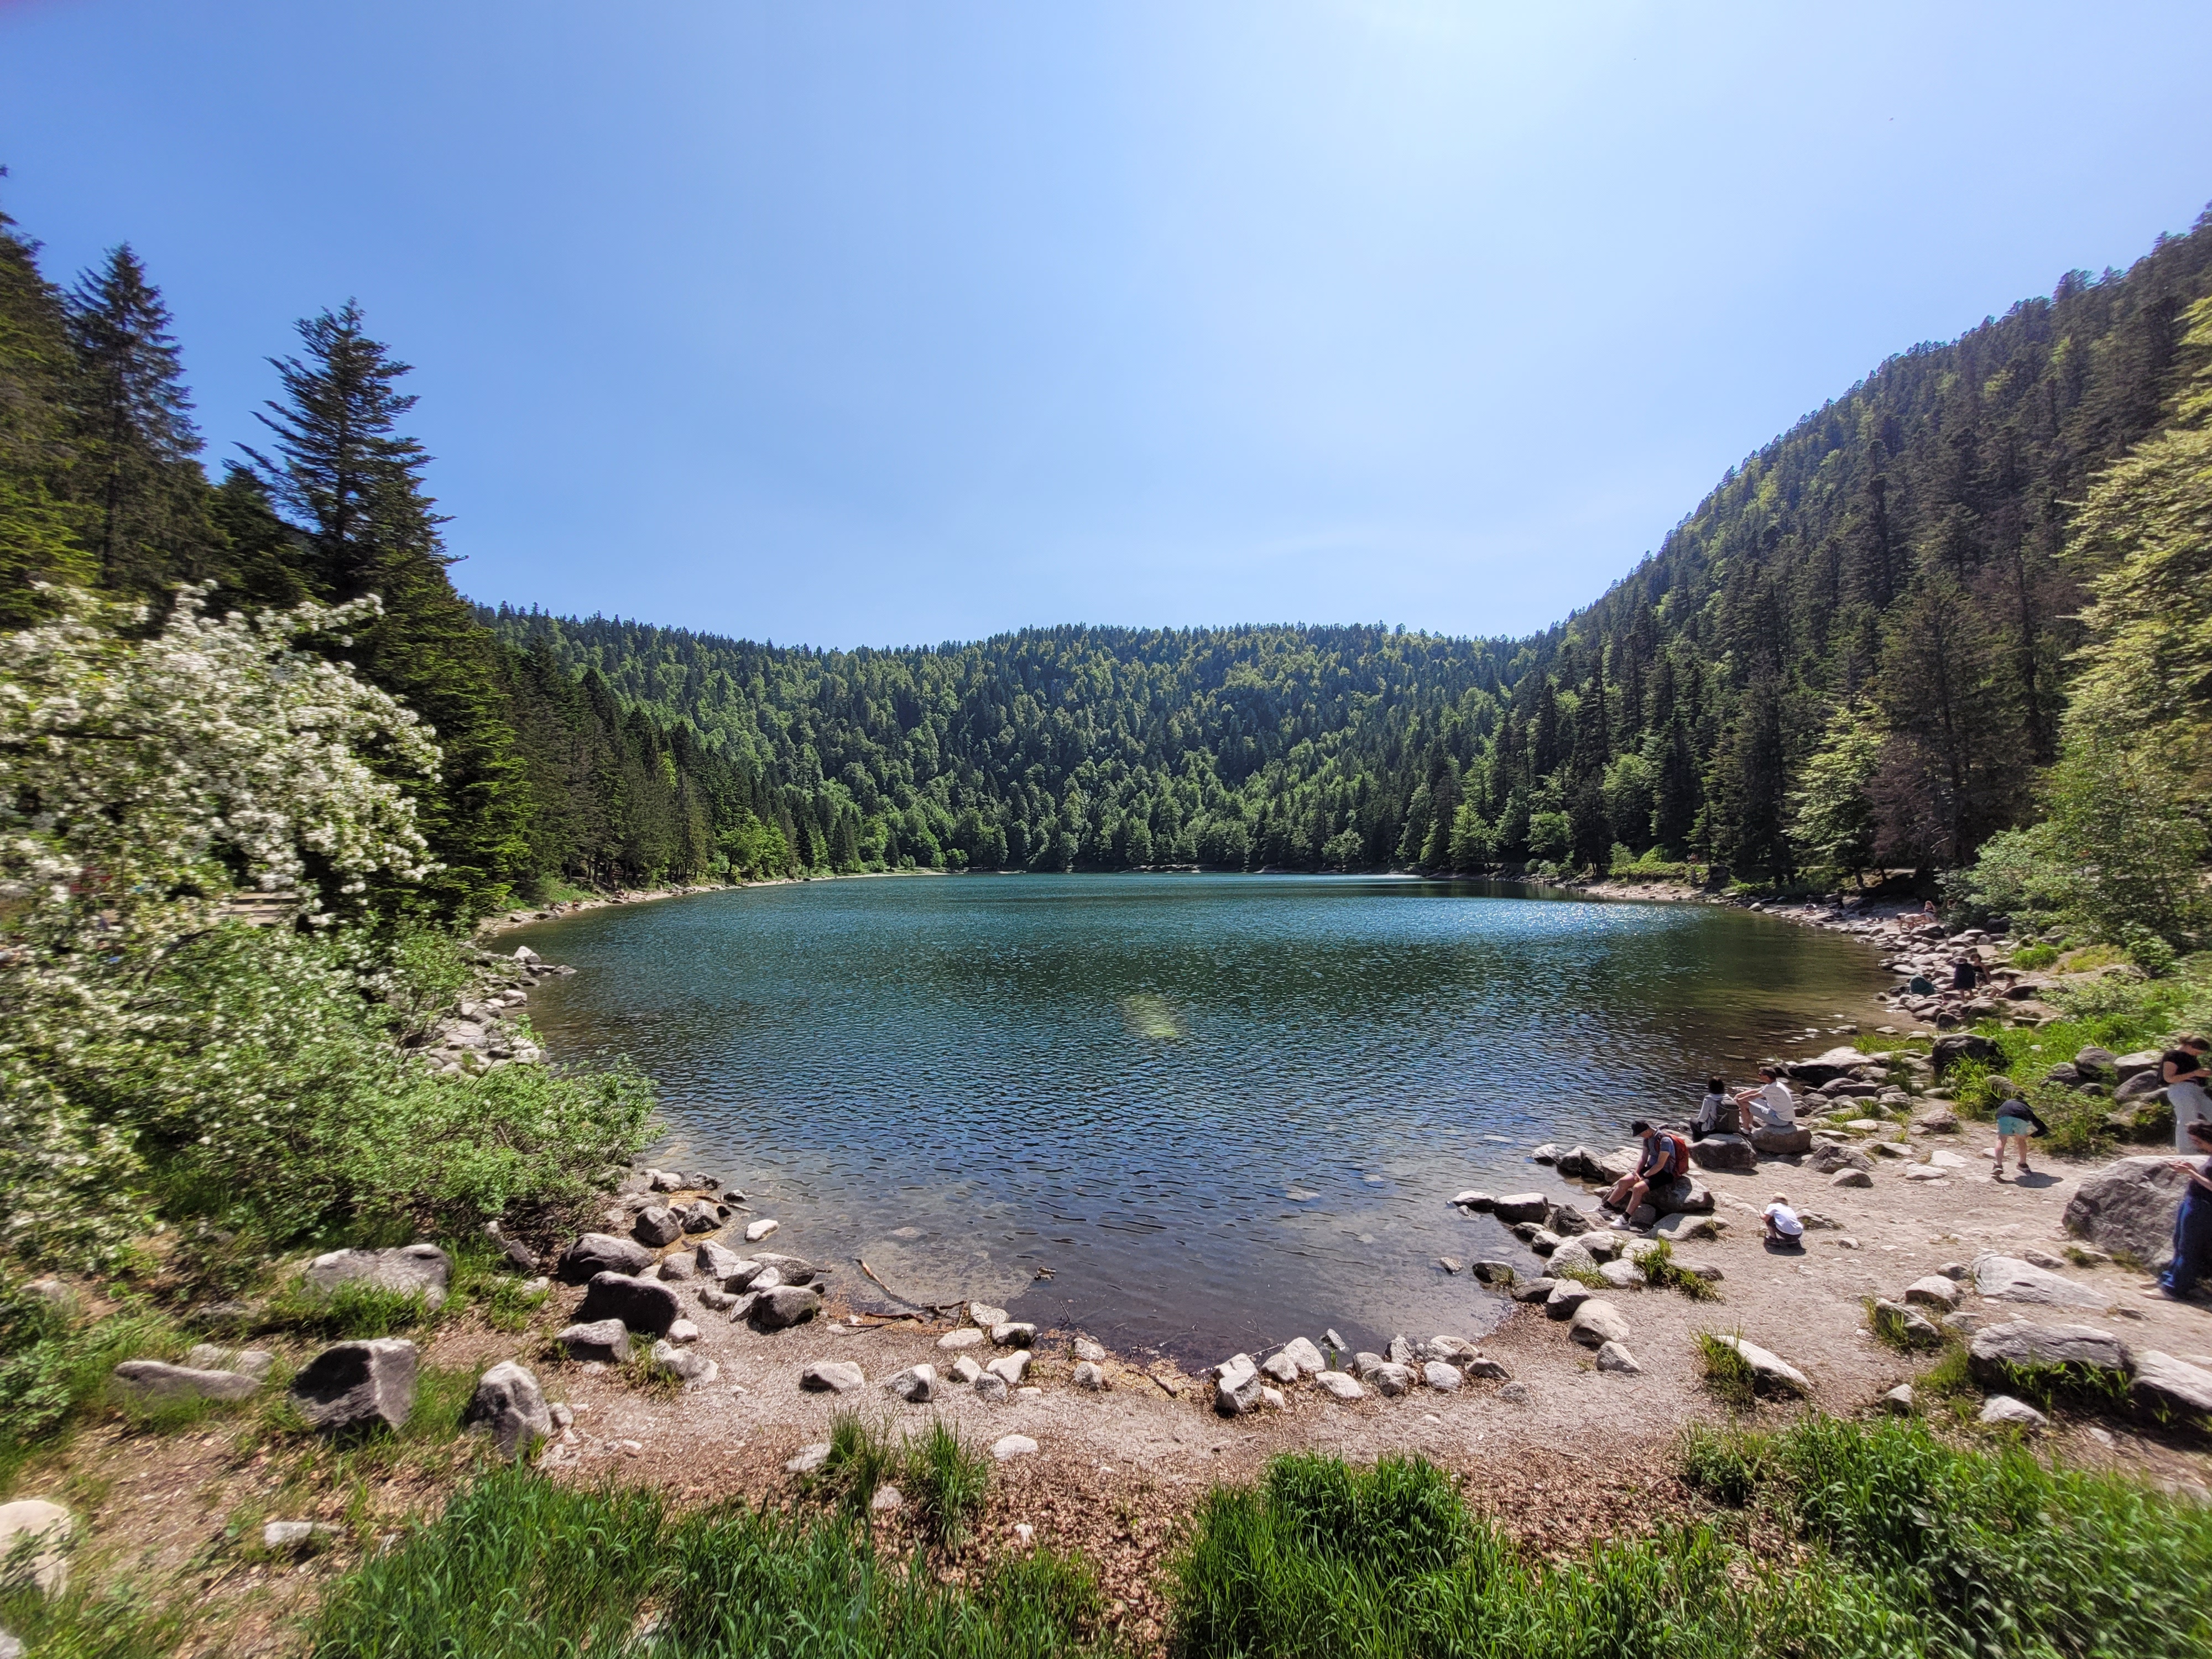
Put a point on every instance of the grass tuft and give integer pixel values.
(946, 1480)
(352, 1312)
(1728, 1375)
(1664, 1273)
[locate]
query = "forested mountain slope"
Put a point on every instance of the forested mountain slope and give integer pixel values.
(1855, 650)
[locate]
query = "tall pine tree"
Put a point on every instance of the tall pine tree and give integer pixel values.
(352, 484)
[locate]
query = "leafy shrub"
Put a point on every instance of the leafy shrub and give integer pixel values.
(2030, 958)
(54, 1366)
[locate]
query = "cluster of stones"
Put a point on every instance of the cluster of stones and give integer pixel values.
(479, 1035)
(1242, 1385)
(1001, 1377)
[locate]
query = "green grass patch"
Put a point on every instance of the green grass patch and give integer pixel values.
(2030, 958)
(946, 1480)
(1588, 1276)
(1728, 1375)
(520, 1567)
(1892, 1330)
(119, 1621)
(351, 1312)
(1905, 1547)
(1664, 1273)
(54, 1367)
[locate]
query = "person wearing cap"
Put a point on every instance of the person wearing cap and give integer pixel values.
(1771, 1104)
(1783, 1224)
(1663, 1159)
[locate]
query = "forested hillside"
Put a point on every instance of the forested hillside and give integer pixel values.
(1856, 652)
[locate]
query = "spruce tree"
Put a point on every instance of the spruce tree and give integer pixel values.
(353, 485)
(135, 440)
(40, 525)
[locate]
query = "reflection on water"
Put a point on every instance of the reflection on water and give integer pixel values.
(1221, 1110)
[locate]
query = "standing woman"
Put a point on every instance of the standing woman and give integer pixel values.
(2016, 1121)
(2192, 1224)
(2181, 1068)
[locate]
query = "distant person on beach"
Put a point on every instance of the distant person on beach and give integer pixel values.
(1771, 1104)
(1665, 1158)
(2016, 1121)
(1783, 1226)
(2181, 1068)
(2193, 1224)
(1965, 973)
(1716, 1114)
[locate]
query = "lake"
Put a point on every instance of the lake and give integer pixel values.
(1221, 1110)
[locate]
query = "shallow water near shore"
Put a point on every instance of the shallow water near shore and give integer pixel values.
(1222, 1110)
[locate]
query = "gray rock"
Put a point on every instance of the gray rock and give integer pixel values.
(1781, 1143)
(1572, 1257)
(1532, 1290)
(1724, 1152)
(984, 1315)
(1236, 1386)
(603, 1340)
(1522, 1206)
(1091, 1375)
(1392, 1380)
(1831, 1156)
(1899, 1399)
(291, 1534)
(1597, 1322)
(656, 1224)
(43, 1531)
(1542, 1240)
(2141, 1085)
(151, 1383)
(1479, 1201)
(700, 1216)
(1622, 1275)
(886, 1499)
(1961, 1045)
(689, 1364)
(1399, 1351)
(1567, 1221)
(1851, 1178)
(1769, 1369)
(966, 1337)
(1941, 1121)
(810, 1459)
(832, 1377)
(1302, 1353)
(1444, 1379)
(2093, 1058)
(1612, 1357)
(1084, 1348)
(1546, 1153)
(2130, 1205)
(1483, 1366)
(917, 1385)
(2008, 1279)
(1343, 1385)
(1452, 1350)
(1281, 1367)
(358, 1384)
(2004, 1412)
(1013, 1445)
(964, 1370)
(1012, 1366)
(1013, 1333)
(1934, 1292)
(421, 1270)
(2163, 1385)
(1517, 1393)
(643, 1305)
(1997, 1351)
(1492, 1273)
(601, 1252)
(1364, 1363)
(716, 1300)
(683, 1331)
(246, 1362)
(1683, 1197)
(1909, 1324)
(677, 1268)
(756, 1231)
(1566, 1296)
(511, 1408)
(784, 1306)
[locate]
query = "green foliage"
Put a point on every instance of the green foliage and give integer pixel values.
(120, 1619)
(353, 1311)
(521, 1568)
(946, 1480)
(1725, 1464)
(1727, 1374)
(1661, 1272)
(2031, 957)
(54, 1366)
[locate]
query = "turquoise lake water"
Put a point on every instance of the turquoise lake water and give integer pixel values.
(1222, 1110)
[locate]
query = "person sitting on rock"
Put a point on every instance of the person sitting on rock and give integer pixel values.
(2181, 1068)
(1717, 1114)
(1783, 1226)
(2192, 1223)
(1665, 1159)
(1772, 1104)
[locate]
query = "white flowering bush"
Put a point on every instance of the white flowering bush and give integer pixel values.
(145, 780)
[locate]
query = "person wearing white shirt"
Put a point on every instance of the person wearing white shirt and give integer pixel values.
(1772, 1104)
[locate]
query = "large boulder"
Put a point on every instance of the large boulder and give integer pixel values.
(1597, 1322)
(1769, 1369)
(2163, 1385)
(1830, 1157)
(1522, 1206)
(656, 1224)
(42, 1531)
(2130, 1205)
(1724, 1152)
(1827, 1067)
(1682, 1196)
(601, 1252)
(1962, 1045)
(1997, 1353)
(602, 1342)
(2008, 1279)
(421, 1270)
(357, 1385)
(1236, 1386)
(2134, 1065)
(1781, 1143)
(151, 1383)
(832, 1377)
(641, 1304)
(720, 1263)
(784, 1306)
(511, 1408)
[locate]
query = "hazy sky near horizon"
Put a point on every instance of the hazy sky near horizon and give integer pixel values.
(876, 324)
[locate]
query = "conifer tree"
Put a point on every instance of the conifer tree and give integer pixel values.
(40, 527)
(352, 483)
(135, 440)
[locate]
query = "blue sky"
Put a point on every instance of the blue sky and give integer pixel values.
(858, 323)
